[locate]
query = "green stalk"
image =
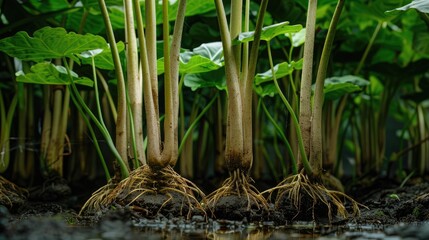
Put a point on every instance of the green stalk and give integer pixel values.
(234, 132)
(304, 159)
(169, 121)
(248, 79)
(19, 164)
(284, 139)
(235, 25)
(306, 78)
(121, 121)
(368, 48)
(186, 155)
(79, 102)
(174, 77)
(52, 153)
(46, 128)
(93, 137)
(316, 156)
(196, 121)
(150, 81)
(63, 129)
(5, 131)
(108, 95)
(134, 82)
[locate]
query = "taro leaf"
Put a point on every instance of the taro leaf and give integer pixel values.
(298, 38)
(420, 43)
(421, 5)
(374, 10)
(266, 89)
(281, 70)
(269, 32)
(93, 4)
(48, 73)
(205, 58)
(94, 22)
(104, 59)
(48, 5)
(49, 43)
(336, 87)
(206, 80)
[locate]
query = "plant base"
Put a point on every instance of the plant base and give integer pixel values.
(99, 200)
(164, 191)
(11, 195)
(298, 198)
(237, 199)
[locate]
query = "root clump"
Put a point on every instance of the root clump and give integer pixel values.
(300, 199)
(237, 199)
(11, 195)
(151, 192)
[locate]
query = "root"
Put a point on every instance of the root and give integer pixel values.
(99, 200)
(11, 194)
(145, 181)
(238, 184)
(298, 186)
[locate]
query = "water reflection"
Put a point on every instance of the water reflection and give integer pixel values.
(235, 231)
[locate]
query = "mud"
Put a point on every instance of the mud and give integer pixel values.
(392, 211)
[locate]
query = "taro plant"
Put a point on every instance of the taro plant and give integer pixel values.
(306, 189)
(156, 177)
(52, 43)
(240, 66)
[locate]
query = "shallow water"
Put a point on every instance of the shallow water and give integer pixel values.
(234, 230)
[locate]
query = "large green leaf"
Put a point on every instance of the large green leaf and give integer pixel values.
(48, 73)
(104, 59)
(205, 58)
(48, 5)
(336, 87)
(297, 39)
(269, 32)
(280, 70)
(421, 5)
(193, 7)
(374, 10)
(49, 43)
(206, 80)
(94, 22)
(264, 90)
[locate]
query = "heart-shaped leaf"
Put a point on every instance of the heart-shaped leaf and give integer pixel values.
(336, 87)
(280, 70)
(421, 5)
(48, 73)
(49, 43)
(205, 58)
(269, 32)
(206, 80)
(104, 59)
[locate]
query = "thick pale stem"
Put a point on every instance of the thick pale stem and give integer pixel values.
(174, 78)
(234, 131)
(236, 28)
(316, 158)
(247, 95)
(134, 82)
(169, 120)
(149, 80)
(150, 11)
(306, 78)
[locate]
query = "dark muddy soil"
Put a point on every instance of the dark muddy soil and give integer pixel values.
(392, 211)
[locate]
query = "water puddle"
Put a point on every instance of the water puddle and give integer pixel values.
(302, 230)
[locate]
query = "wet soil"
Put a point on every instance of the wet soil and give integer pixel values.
(392, 211)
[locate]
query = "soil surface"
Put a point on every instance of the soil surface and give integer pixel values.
(391, 211)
